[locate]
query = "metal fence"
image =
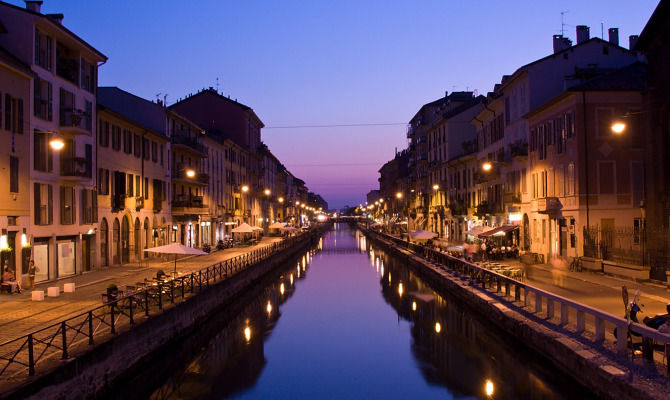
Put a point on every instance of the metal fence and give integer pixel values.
(41, 349)
(637, 245)
(565, 314)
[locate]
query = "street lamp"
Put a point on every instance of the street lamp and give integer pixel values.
(267, 192)
(618, 127)
(280, 199)
(245, 188)
(487, 166)
(398, 195)
(57, 143)
(436, 186)
(190, 173)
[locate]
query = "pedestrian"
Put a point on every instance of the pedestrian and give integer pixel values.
(8, 278)
(483, 251)
(32, 269)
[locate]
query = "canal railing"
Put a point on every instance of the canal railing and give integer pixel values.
(558, 310)
(21, 357)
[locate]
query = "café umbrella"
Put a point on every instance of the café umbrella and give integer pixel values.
(277, 225)
(176, 249)
(422, 235)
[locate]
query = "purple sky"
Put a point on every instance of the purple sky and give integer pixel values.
(330, 63)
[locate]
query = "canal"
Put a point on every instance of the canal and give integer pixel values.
(342, 321)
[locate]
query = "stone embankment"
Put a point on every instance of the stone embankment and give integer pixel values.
(95, 371)
(591, 365)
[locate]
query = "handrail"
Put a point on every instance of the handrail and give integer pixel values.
(26, 352)
(476, 272)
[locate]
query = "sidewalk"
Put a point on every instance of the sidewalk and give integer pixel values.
(19, 315)
(597, 289)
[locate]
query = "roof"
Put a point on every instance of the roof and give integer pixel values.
(507, 79)
(655, 26)
(629, 78)
(11, 60)
(134, 108)
(213, 92)
(50, 19)
(463, 107)
(453, 96)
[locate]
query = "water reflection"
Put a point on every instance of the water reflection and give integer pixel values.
(340, 336)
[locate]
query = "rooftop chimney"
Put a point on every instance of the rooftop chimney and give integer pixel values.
(614, 35)
(632, 41)
(33, 5)
(561, 43)
(582, 33)
(57, 18)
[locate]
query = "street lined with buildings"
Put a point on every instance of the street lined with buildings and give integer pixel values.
(562, 158)
(93, 176)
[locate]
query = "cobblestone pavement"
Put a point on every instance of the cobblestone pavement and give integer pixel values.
(19, 315)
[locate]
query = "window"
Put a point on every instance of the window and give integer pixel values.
(13, 114)
(104, 134)
(549, 132)
(606, 178)
(42, 155)
(137, 144)
(129, 185)
(43, 204)
(43, 99)
(507, 111)
(146, 188)
(541, 144)
(127, 141)
(154, 151)
(138, 185)
(103, 181)
(559, 128)
(161, 153)
(43, 50)
(637, 175)
(570, 180)
(569, 125)
(116, 138)
(13, 174)
(145, 148)
(89, 207)
(87, 75)
(604, 121)
(88, 115)
(561, 181)
(67, 214)
(524, 186)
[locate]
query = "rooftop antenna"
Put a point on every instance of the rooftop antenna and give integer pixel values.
(158, 97)
(217, 84)
(563, 22)
(602, 30)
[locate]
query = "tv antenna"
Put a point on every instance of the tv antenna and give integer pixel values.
(217, 84)
(563, 21)
(158, 97)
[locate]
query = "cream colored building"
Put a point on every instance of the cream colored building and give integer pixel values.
(15, 84)
(132, 176)
(63, 106)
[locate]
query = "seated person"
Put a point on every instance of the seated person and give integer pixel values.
(8, 277)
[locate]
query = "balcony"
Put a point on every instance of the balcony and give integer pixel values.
(183, 142)
(410, 131)
(548, 205)
(192, 205)
(139, 203)
(118, 202)
(75, 168)
(73, 120)
(512, 198)
(519, 150)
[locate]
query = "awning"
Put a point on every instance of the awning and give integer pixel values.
(478, 230)
(499, 231)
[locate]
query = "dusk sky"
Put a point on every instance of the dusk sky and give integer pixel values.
(320, 63)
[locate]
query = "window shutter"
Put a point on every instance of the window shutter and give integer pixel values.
(94, 205)
(62, 205)
(50, 99)
(50, 208)
(19, 128)
(13, 174)
(8, 112)
(36, 203)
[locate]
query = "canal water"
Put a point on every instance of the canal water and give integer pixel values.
(347, 321)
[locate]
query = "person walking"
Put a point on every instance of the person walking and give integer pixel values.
(483, 251)
(31, 274)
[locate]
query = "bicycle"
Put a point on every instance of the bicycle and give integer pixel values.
(576, 264)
